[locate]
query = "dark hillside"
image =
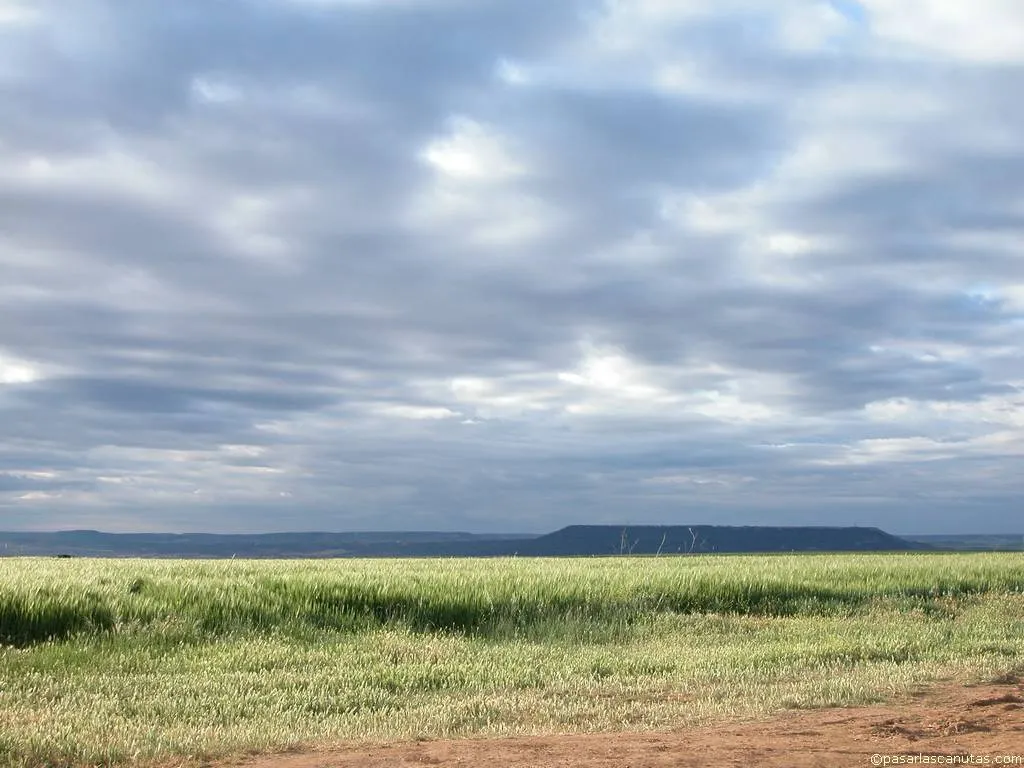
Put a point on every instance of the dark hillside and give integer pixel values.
(263, 545)
(649, 540)
(976, 542)
(577, 540)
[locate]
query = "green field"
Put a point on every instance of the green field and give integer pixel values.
(124, 661)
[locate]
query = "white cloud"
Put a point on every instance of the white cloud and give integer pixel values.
(111, 170)
(814, 26)
(1005, 411)
(18, 13)
(699, 479)
(985, 31)
(39, 496)
(613, 373)
(245, 451)
(477, 191)
(923, 449)
(15, 371)
(472, 152)
(248, 222)
(511, 396)
(415, 412)
(512, 73)
(212, 90)
(607, 381)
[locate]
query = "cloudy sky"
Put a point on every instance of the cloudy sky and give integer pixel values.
(505, 265)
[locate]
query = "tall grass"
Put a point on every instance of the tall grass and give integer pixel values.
(42, 599)
(151, 661)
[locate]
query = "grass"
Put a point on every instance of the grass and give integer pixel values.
(118, 661)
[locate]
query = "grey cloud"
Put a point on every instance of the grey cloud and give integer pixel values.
(27, 483)
(148, 397)
(635, 138)
(302, 353)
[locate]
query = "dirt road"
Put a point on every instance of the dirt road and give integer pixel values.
(985, 721)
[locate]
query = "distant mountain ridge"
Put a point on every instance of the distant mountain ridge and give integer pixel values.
(973, 542)
(655, 539)
(571, 541)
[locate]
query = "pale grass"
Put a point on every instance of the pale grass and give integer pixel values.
(160, 688)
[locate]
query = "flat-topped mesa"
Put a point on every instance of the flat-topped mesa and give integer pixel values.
(693, 539)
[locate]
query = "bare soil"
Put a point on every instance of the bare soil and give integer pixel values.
(986, 721)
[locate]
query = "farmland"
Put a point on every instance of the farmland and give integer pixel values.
(119, 661)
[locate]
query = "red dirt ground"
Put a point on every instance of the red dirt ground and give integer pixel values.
(986, 721)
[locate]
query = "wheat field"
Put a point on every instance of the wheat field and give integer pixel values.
(108, 662)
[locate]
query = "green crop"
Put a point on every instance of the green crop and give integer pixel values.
(116, 661)
(53, 599)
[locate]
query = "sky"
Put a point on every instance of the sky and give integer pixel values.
(509, 265)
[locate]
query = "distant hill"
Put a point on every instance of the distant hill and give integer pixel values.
(1007, 542)
(573, 541)
(654, 539)
(261, 545)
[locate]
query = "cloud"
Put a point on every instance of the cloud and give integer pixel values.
(328, 264)
(992, 31)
